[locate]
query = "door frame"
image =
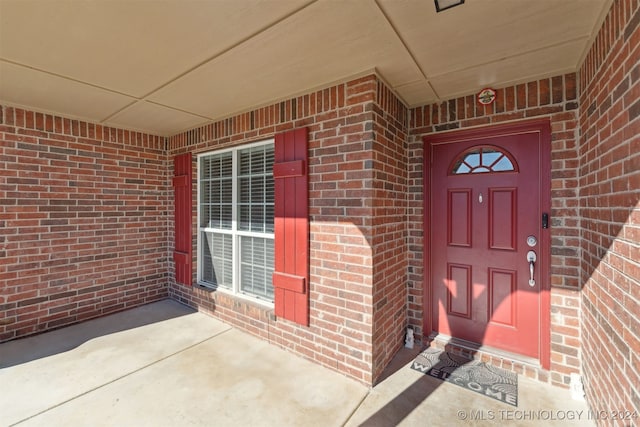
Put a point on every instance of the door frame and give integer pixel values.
(543, 128)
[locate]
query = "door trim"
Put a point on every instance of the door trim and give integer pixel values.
(543, 128)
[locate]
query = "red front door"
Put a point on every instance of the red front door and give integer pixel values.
(486, 225)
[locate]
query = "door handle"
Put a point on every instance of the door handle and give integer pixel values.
(531, 258)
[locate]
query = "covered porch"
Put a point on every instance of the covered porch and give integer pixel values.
(107, 107)
(164, 364)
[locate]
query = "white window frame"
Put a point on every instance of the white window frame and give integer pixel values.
(234, 231)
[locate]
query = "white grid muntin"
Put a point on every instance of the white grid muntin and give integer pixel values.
(234, 231)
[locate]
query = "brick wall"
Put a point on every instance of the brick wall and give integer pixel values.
(86, 221)
(555, 98)
(389, 227)
(350, 171)
(610, 209)
(83, 213)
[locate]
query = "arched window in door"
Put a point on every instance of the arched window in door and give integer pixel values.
(483, 159)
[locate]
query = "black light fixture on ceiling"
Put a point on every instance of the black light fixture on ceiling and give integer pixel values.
(447, 4)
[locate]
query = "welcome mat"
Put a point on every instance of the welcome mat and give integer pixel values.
(471, 374)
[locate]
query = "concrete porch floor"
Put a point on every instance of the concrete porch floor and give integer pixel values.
(165, 365)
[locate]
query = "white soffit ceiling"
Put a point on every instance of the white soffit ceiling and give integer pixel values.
(49, 92)
(164, 66)
(315, 46)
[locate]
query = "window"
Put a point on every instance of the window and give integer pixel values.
(235, 219)
(483, 160)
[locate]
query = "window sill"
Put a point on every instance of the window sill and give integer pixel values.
(240, 298)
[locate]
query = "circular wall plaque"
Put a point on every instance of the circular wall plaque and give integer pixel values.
(486, 96)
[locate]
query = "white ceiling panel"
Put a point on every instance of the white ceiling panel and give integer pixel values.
(129, 46)
(527, 67)
(46, 92)
(167, 65)
(149, 117)
(416, 93)
(480, 32)
(316, 46)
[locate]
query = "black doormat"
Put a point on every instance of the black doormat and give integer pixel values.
(471, 374)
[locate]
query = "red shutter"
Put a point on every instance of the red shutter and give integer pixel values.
(291, 272)
(182, 216)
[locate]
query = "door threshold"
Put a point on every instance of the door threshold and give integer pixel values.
(471, 349)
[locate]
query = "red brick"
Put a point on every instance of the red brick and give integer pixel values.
(48, 197)
(604, 152)
(375, 206)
